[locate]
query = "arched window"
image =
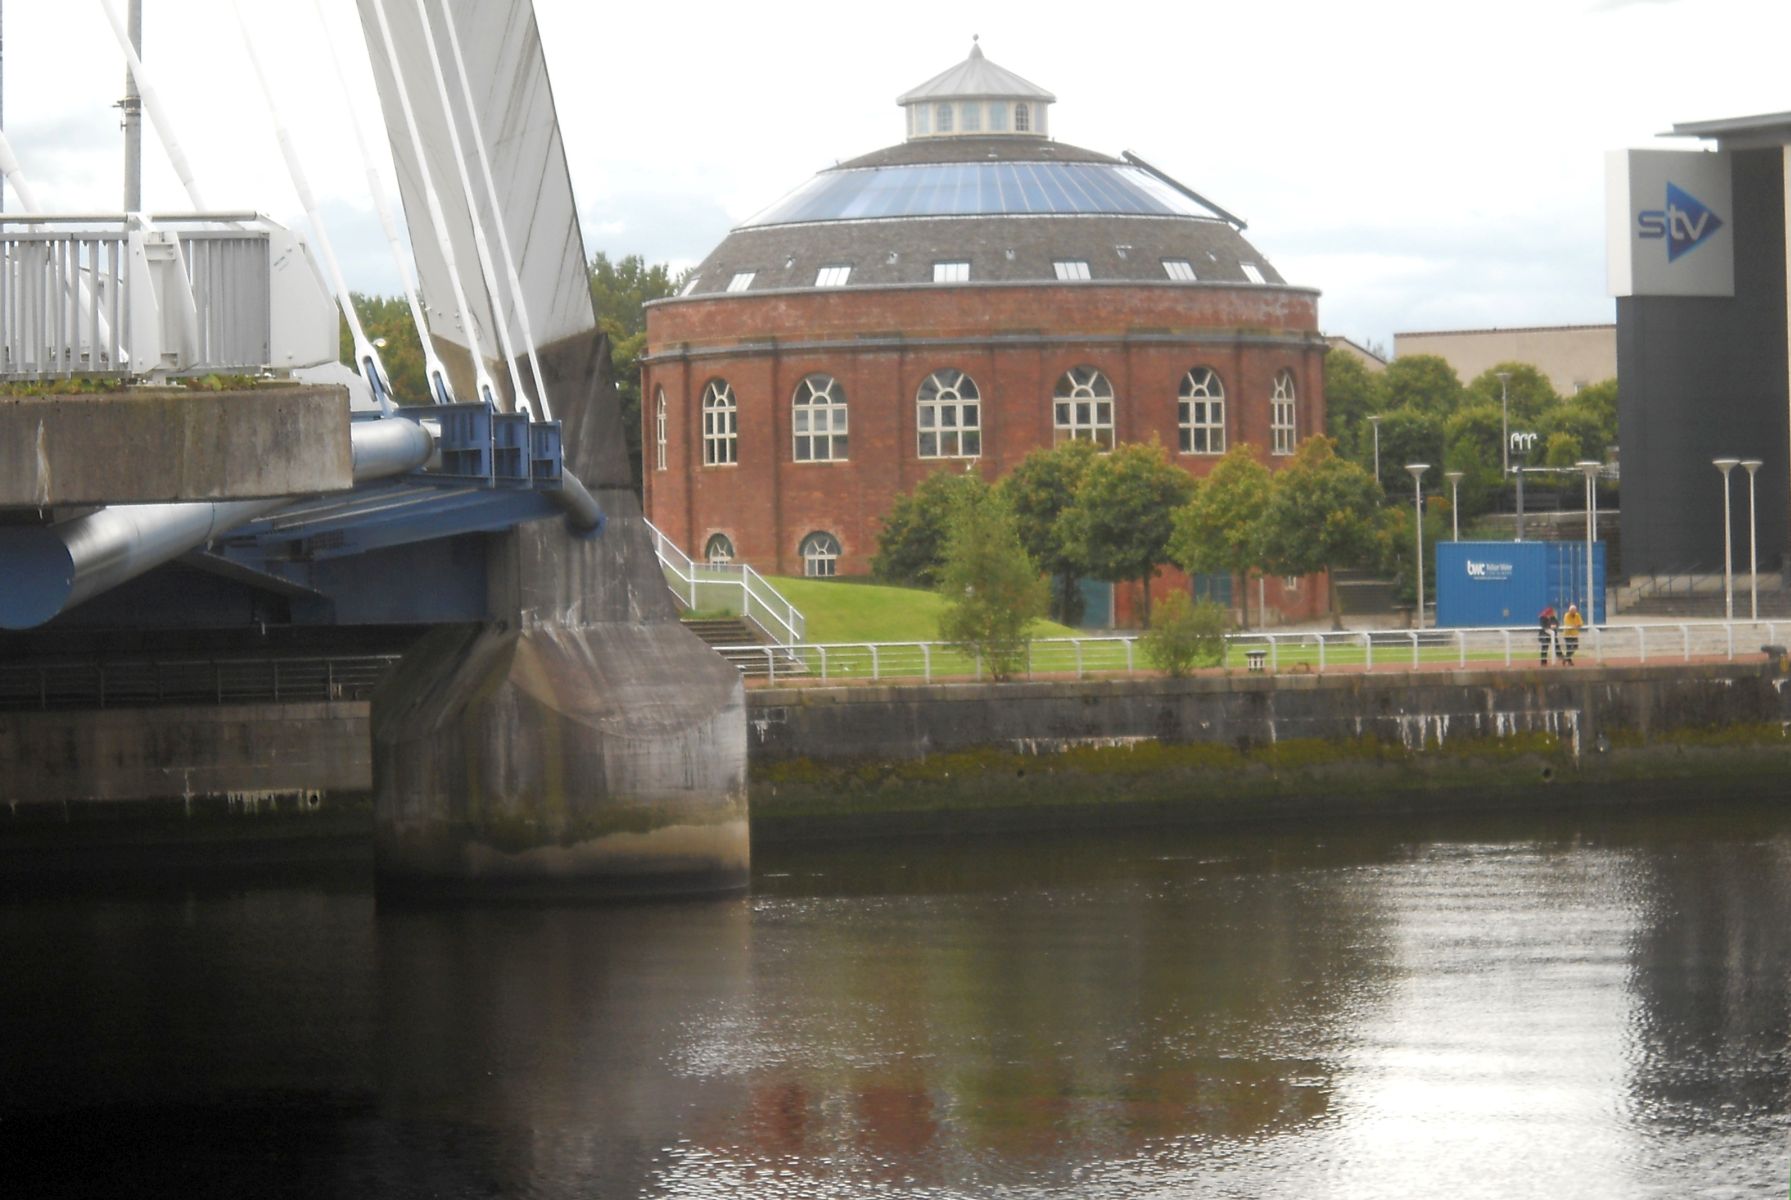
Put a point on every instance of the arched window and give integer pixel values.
(1022, 118)
(1281, 413)
(661, 423)
(718, 551)
(1201, 412)
(820, 555)
(943, 113)
(1082, 407)
(721, 417)
(948, 415)
(818, 417)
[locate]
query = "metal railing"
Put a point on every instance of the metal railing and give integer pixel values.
(1307, 651)
(727, 586)
(212, 681)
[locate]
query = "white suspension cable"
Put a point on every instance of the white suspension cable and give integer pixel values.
(15, 175)
(152, 103)
(517, 298)
(366, 356)
(440, 391)
(483, 384)
(493, 285)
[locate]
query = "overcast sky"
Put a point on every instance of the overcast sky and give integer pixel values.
(1426, 165)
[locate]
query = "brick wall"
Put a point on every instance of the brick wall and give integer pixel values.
(882, 343)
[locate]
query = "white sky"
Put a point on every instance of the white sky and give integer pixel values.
(1427, 165)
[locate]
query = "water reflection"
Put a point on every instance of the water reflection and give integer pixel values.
(1531, 1006)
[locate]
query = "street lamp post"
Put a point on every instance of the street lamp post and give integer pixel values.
(1417, 470)
(1505, 421)
(1725, 465)
(1591, 470)
(1375, 421)
(1454, 478)
(1753, 546)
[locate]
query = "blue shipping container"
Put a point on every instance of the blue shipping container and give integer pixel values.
(1483, 584)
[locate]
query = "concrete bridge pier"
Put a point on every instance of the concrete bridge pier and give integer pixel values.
(581, 742)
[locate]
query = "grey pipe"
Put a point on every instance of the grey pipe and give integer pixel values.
(581, 508)
(51, 568)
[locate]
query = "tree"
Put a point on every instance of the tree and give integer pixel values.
(1408, 435)
(387, 318)
(911, 544)
(1185, 635)
(1124, 513)
(992, 589)
(1528, 392)
(1577, 430)
(1420, 383)
(1322, 513)
(1600, 398)
(1471, 446)
(620, 292)
(1038, 490)
(1219, 529)
(1352, 395)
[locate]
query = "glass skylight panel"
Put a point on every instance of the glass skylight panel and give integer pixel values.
(1252, 272)
(951, 272)
(741, 281)
(833, 276)
(1179, 269)
(1070, 269)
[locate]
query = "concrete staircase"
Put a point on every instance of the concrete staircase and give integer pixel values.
(717, 632)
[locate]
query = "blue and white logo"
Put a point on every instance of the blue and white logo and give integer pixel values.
(1686, 223)
(1489, 572)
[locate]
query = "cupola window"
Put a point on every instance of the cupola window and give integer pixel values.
(944, 111)
(998, 117)
(1022, 118)
(973, 117)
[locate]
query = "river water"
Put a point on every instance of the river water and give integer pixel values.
(1587, 1005)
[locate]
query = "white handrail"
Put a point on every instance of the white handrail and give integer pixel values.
(1116, 654)
(759, 601)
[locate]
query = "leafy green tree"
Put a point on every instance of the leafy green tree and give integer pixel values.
(1529, 392)
(1219, 529)
(1322, 513)
(1123, 515)
(1576, 425)
(1039, 489)
(1352, 395)
(1408, 435)
(1471, 446)
(1420, 383)
(1185, 635)
(911, 544)
(620, 291)
(1600, 398)
(992, 589)
(1396, 548)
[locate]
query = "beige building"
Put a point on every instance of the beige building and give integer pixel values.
(1572, 356)
(1360, 353)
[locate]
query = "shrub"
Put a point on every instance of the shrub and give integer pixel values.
(1186, 635)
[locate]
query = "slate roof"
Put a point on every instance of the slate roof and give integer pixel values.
(976, 76)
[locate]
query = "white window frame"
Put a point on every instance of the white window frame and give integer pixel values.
(1022, 117)
(661, 427)
(1283, 414)
(833, 275)
(1200, 412)
(943, 112)
(1082, 407)
(818, 420)
(820, 553)
(721, 425)
(953, 271)
(741, 280)
(718, 550)
(1071, 270)
(1180, 270)
(948, 415)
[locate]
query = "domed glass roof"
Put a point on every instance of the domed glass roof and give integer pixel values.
(961, 189)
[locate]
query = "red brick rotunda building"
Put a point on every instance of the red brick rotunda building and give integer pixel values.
(954, 302)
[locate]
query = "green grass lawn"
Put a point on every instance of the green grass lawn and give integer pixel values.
(841, 610)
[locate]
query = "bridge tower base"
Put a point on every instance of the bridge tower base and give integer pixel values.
(581, 743)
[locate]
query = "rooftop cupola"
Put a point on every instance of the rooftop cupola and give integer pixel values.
(976, 98)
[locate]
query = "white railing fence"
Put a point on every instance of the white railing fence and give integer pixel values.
(728, 587)
(1306, 651)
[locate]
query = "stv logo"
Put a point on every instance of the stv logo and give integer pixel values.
(1685, 223)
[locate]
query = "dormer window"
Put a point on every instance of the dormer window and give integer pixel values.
(1022, 118)
(944, 111)
(741, 281)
